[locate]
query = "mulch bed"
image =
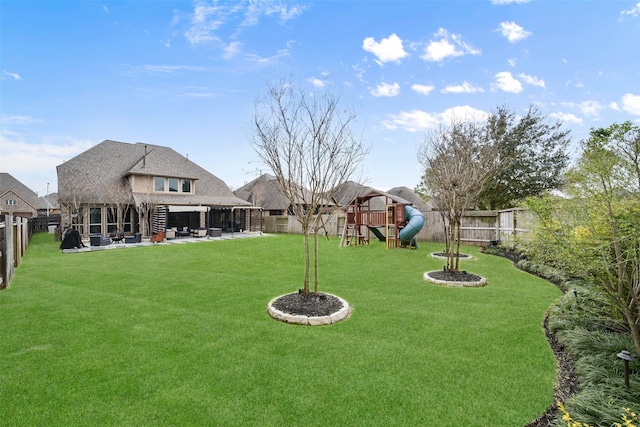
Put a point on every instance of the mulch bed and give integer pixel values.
(311, 304)
(567, 381)
(454, 276)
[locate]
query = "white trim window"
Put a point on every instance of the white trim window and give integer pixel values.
(172, 185)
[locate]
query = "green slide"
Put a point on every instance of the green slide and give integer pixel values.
(378, 233)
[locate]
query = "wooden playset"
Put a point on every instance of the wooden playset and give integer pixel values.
(390, 218)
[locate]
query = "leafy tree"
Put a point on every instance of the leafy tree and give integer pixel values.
(306, 140)
(457, 162)
(531, 154)
(598, 227)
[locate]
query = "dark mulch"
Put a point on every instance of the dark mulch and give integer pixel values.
(567, 381)
(454, 276)
(566, 385)
(310, 304)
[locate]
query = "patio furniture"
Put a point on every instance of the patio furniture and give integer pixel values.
(136, 238)
(215, 232)
(98, 239)
(199, 232)
(182, 232)
(170, 233)
(157, 237)
(117, 236)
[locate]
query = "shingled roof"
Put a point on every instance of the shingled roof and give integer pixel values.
(265, 191)
(410, 195)
(109, 163)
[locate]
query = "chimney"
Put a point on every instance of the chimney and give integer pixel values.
(144, 158)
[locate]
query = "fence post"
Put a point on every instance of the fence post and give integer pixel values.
(8, 258)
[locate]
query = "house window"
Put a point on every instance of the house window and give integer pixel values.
(10, 202)
(173, 185)
(127, 216)
(112, 219)
(77, 220)
(158, 183)
(186, 186)
(95, 220)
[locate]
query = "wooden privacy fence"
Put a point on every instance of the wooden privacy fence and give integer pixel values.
(14, 239)
(480, 228)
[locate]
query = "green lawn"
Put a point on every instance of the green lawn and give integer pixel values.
(179, 335)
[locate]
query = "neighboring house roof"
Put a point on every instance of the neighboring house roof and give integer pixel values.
(410, 195)
(108, 164)
(378, 200)
(265, 191)
(348, 191)
(49, 201)
(10, 185)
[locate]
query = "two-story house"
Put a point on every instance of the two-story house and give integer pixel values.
(144, 188)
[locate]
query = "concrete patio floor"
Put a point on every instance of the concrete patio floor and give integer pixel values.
(176, 241)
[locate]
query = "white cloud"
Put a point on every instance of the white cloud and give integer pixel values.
(35, 163)
(232, 50)
(256, 9)
(465, 87)
(422, 89)
(513, 32)
(170, 69)
(631, 104)
(385, 89)
(500, 2)
(614, 106)
(532, 80)
(512, 61)
(267, 61)
(566, 117)
(207, 19)
(463, 112)
(634, 11)
(14, 76)
(316, 82)
(16, 120)
(412, 121)
(506, 82)
(447, 45)
(388, 50)
(420, 121)
(588, 108)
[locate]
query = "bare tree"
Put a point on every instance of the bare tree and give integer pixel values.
(75, 196)
(119, 199)
(306, 140)
(457, 162)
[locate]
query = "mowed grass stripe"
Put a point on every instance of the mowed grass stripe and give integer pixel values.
(179, 335)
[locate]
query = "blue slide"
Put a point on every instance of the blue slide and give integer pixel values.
(415, 224)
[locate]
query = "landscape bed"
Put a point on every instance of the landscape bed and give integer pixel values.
(180, 335)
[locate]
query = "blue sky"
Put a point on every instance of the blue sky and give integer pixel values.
(186, 74)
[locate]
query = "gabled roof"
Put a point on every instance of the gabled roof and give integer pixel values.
(265, 191)
(9, 184)
(348, 190)
(410, 195)
(109, 163)
(49, 201)
(377, 200)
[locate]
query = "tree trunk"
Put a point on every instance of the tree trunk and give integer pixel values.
(306, 262)
(315, 261)
(457, 266)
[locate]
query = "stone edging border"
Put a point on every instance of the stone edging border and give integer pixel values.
(476, 284)
(462, 258)
(336, 317)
